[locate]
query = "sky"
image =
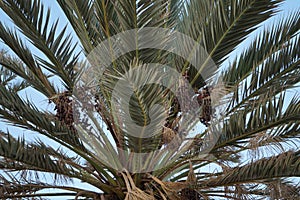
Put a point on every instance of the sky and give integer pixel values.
(287, 8)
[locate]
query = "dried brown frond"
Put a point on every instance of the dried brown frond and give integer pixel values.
(133, 192)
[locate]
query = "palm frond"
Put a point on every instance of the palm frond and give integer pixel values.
(84, 21)
(221, 25)
(25, 66)
(10, 79)
(263, 116)
(24, 114)
(11, 187)
(273, 70)
(17, 156)
(143, 99)
(34, 156)
(272, 40)
(286, 164)
(34, 23)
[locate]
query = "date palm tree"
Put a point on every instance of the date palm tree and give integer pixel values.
(255, 154)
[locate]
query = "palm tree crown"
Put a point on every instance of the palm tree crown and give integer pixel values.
(187, 108)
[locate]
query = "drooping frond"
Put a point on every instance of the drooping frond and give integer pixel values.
(28, 160)
(263, 116)
(284, 165)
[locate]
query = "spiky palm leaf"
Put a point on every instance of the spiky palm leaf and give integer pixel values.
(257, 117)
